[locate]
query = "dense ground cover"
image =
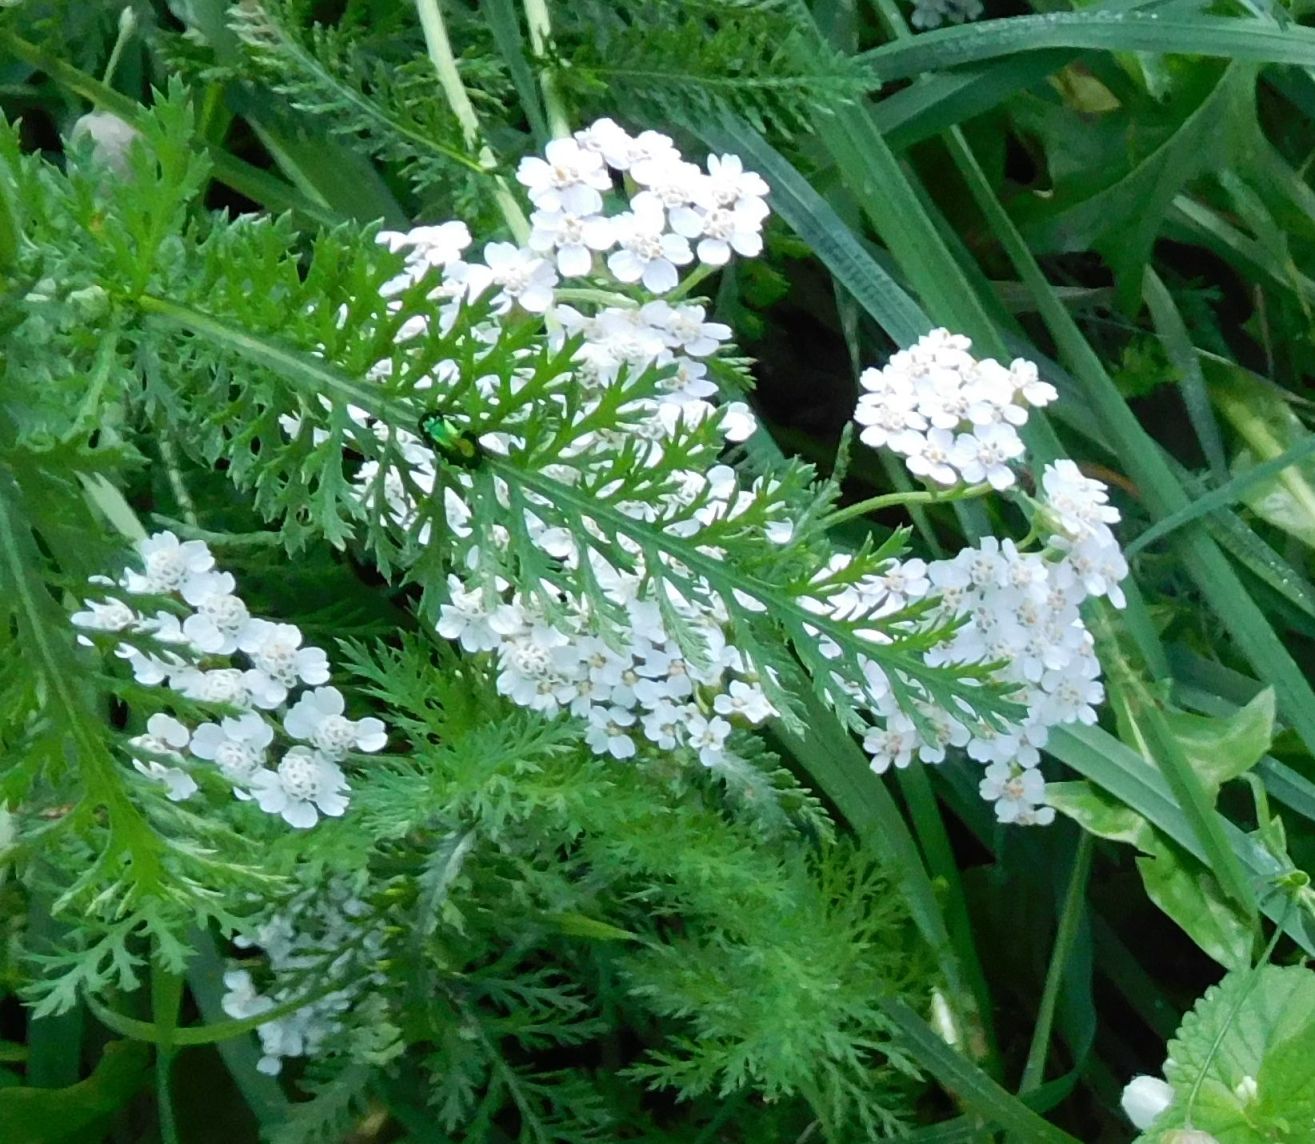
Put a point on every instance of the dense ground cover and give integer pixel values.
(656, 571)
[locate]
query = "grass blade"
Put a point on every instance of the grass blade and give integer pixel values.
(1166, 33)
(973, 1087)
(1218, 498)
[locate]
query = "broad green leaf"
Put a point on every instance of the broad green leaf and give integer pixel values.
(1179, 884)
(1266, 422)
(1220, 1065)
(1100, 813)
(52, 1115)
(1221, 748)
(1190, 894)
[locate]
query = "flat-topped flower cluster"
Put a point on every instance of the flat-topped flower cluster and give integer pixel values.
(180, 624)
(321, 947)
(654, 655)
(646, 684)
(953, 418)
(1019, 609)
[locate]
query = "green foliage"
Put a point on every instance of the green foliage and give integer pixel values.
(368, 81)
(1239, 1063)
(579, 950)
(667, 59)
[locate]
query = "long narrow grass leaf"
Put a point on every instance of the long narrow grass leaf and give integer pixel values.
(1130, 31)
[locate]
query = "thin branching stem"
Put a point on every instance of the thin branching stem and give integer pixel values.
(439, 47)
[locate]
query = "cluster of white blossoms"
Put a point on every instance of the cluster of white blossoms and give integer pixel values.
(650, 685)
(1018, 609)
(675, 678)
(320, 938)
(951, 416)
(189, 647)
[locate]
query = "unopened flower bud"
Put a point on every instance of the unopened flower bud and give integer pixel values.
(1144, 1098)
(111, 137)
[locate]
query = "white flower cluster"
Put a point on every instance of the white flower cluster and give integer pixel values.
(952, 417)
(314, 940)
(1018, 609)
(651, 687)
(721, 210)
(190, 650)
(934, 13)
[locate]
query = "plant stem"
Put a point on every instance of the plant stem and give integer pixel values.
(540, 26)
(166, 996)
(890, 500)
(127, 24)
(697, 275)
(1035, 1069)
(449, 78)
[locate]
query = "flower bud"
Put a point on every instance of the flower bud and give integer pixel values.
(111, 138)
(1144, 1098)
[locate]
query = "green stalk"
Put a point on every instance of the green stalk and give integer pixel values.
(10, 231)
(894, 500)
(127, 25)
(1074, 904)
(449, 79)
(166, 997)
(540, 26)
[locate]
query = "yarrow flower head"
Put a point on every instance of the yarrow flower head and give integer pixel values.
(544, 643)
(212, 651)
(955, 420)
(952, 417)
(604, 633)
(324, 936)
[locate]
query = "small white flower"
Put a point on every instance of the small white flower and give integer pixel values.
(276, 652)
(574, 238)
(745, 701)
(224, 685)
(317, 717)
(429, 245)
(720, 232)
(737, 421)
(984, 455)
(607, 138)
(668, 182)
(729, 186)
(220, 615)
(241, 999)
(521, 276)
(166, 737)
(469, 620)
(930, 455)
(167, 562)
(236, 746)
(707, 736)
(104, 616)
(305, 782)
(568, 178)
(1014, 790)
(686, 328)
(647, 252)
(610, 730)
(1144, 1098)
